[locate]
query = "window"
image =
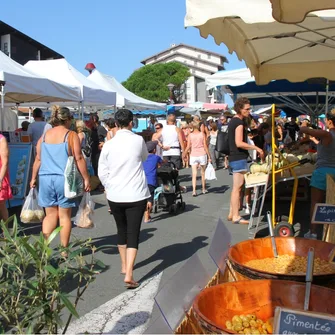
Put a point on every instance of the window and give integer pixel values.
(5, 48)
(188, 85)
(199, 56)
(193, 71)
(208, 56)
(195, 63)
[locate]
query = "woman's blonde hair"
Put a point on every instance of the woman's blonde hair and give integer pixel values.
(183, 124)
(196, 125)
(80, 126)
(59, 115)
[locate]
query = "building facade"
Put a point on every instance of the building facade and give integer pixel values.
(202, 63)
(23, 48)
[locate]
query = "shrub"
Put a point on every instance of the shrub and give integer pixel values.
(32, 278)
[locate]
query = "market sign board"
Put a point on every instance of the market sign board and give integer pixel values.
(289, 321)
(324, 214)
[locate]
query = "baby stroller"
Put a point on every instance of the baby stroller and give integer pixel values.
(168, 195)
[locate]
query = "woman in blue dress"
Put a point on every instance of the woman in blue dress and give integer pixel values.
(50, 162)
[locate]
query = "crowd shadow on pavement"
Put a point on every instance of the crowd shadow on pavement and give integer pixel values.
(220, 189)
(128, 322)
(172, 254)
(164, 214)
(108, 244)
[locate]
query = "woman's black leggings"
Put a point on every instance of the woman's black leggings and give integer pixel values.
(128, 217)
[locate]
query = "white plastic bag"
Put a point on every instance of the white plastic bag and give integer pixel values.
(210, 172)
(287, 139)
(73, 185)
(85, 214)
(31, 212)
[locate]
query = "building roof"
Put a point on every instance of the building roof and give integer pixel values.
(47, 52)
(177, 46)
(199, 60)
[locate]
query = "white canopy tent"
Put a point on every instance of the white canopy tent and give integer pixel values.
(124, 98)
(19, 85)
(23, 85)
(233, 78)
(62, 72)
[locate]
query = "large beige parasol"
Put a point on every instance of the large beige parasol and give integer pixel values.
(294, 11)
(271, 50)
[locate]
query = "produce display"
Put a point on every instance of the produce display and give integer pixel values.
(32, 216)
(249, 324)
(289, 264)
(258, 171)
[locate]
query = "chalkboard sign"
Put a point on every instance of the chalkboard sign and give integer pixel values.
(324, 214)
(289, 321)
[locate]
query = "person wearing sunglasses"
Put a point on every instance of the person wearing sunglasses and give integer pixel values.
(157, 137)
(238, 156)
(325, 164)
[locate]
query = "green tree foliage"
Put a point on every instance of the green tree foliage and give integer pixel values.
(150, 81)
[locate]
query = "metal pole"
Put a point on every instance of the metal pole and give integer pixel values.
(327, 93)
(2, 85)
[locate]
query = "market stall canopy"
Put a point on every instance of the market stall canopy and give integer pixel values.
(299, 96)
(62, 72)
(23, 85)
(289, 11)
(124, 98)
(203, 106)
(233, 77)
(271, 50)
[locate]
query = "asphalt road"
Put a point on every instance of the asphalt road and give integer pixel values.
(165, 243)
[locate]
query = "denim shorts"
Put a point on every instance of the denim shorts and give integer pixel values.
(319, 177)
(240, 166)
(51, 192)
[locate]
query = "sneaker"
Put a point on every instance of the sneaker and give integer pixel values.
(310, 235)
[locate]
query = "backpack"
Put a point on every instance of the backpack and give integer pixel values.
(87, 151)
(222, 142)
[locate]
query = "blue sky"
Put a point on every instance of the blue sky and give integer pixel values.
(114, 35)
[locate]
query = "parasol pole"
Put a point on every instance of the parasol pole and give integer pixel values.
(327, 93)
(2, 93)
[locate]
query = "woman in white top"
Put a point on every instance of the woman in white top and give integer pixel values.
(121, 173)
(213, 134)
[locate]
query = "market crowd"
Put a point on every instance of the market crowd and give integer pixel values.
(111, 157)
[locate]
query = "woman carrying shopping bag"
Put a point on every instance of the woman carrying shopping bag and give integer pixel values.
(52, 155)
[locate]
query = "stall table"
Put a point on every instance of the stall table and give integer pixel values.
(260, 191)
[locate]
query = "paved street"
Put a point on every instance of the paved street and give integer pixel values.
(165, 243)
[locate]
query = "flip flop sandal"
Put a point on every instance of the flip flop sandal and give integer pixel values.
(205, 192)
(131, 286)
(241, 221)
(229, 218)
(149, 221)
(194, 195)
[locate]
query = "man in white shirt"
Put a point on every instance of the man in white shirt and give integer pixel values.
(172, 141)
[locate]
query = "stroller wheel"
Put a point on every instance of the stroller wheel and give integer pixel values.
(173, 209)
(182, 205)
(155, 209)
